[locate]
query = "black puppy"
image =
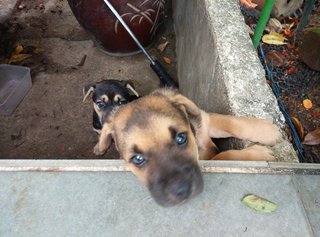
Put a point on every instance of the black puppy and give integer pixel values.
(106, 95)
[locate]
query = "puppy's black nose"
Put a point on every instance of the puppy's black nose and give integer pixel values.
(180, 189)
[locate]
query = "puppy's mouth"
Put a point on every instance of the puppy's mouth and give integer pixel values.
(177, 186)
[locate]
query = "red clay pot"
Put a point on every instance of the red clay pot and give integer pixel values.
(142, 17)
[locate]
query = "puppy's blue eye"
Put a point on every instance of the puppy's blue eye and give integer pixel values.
(138, 160)
(181, 138)
(101, 104)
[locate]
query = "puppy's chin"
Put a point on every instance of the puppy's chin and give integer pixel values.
(178, 187)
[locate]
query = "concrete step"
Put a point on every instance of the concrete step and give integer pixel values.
(106, 200)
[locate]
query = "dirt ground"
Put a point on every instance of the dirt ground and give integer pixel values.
(52, 122)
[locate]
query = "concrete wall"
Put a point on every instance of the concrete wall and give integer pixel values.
(218, 67)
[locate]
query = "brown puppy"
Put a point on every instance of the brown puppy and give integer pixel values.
(163, 135)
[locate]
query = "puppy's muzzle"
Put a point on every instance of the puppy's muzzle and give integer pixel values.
(175, 186)
(180, 189)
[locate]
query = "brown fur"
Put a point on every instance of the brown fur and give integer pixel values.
(152, 126)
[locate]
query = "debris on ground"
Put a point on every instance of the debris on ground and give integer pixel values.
(162, 46)
(293, 57)
(312, 138)
(259, 204)
(167, 60)
(274, 38)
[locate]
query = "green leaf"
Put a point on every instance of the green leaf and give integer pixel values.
(259, 204)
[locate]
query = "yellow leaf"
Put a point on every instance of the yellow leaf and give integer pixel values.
(274, 38)
(18, 58)
(298, 127)
(18, 49)
(280, 36)
(167, 60)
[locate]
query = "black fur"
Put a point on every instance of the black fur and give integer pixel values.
(108, 88)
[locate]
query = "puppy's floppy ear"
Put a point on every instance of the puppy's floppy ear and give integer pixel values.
(185, 104)
(130, 86)
(87, 90)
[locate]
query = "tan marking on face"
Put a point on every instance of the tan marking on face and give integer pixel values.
(98, 111)
(117, 98)
(104, 98)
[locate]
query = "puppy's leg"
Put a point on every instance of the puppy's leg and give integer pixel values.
(104, 142)
(254, 152)
(252, 129)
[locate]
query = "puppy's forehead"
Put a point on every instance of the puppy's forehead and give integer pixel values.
(149, 123)
(109, 88)
(152, 112)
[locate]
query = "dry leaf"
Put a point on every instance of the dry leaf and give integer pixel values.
(161, 47)
(18, 58)
(274, 25)
(83, 60)
(258, 203)
(288, 33)
(167, 60)
(248, 3)
(251, 32)
(291, 70)
(276, 58)
(289, 26)
(307, 103)
(274, 38)
(18, 49)
(298, 127)
(21, 53)
(312, 138)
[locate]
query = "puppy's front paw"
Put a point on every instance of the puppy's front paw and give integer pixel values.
(267, 133)
(97, 150)
(258, 152)
(272, 134)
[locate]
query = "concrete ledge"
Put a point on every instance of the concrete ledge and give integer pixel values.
(219, 69)
(85, 204)
(242, 167)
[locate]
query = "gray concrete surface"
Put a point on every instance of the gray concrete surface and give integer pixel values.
(218, 67)
(99, 203)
